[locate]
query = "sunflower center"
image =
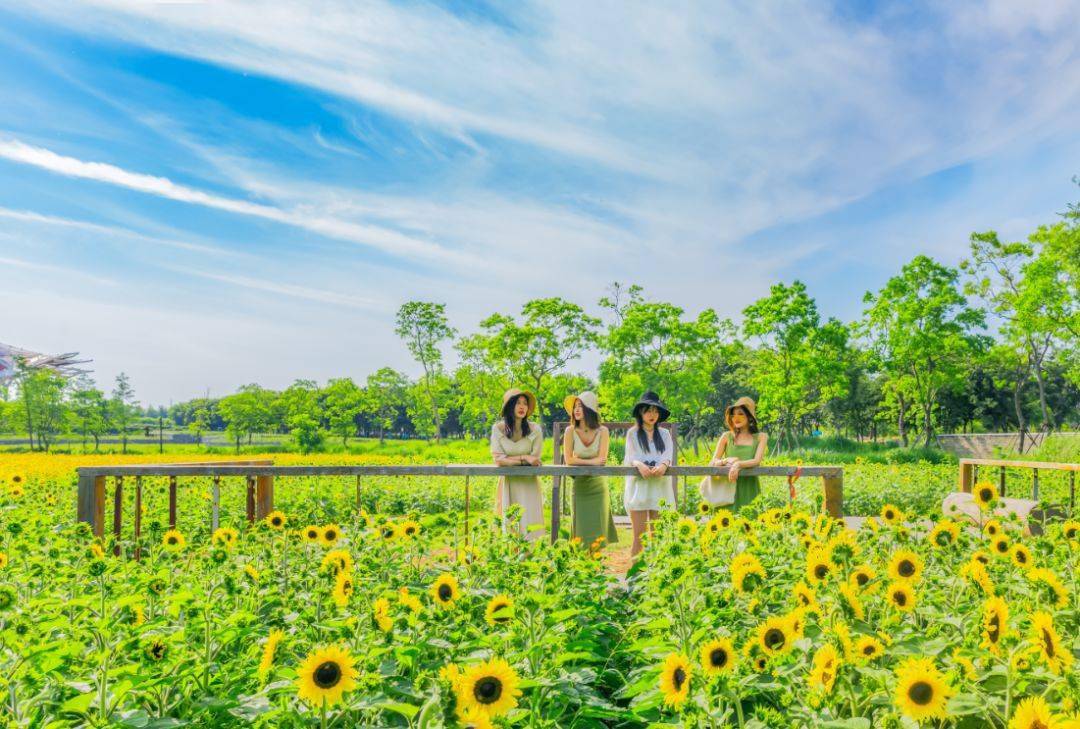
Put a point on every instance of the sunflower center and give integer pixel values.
(1021, 556)
(821, 571)
(172, 540)
(774, 638)
(1048, 643)
(868, 650)
(718, 658)
(900, 598)
(994, 629)
(327, 675)
(445, 593)
(921, 693)
(276, 521)
(313, 534)
(488, 690)
(906, 568)
(861, 578)
(678, 678)
(1003, 547)
(331, 535)
(986, 494)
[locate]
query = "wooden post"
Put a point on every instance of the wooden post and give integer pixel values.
(967, 477)
(250, 482)
(1034, 484)
(215, 503)
(1072, 493)
(834, 495)
(118, 513)
(467, 534)
(172, 502)
(557, 495)
(1001, 482)
(674, 430)
(91, 507)
(358, 494)
(264, 496)
(138, 517)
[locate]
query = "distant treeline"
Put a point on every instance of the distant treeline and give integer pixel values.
(991, 345)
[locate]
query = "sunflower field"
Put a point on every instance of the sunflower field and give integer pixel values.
(388, 616)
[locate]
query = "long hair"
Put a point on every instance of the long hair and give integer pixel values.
(751, 421)
(642, 439)
(591, 418)
(509, 418)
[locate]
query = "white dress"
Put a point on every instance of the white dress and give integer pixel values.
(522, 490)
(644, 494)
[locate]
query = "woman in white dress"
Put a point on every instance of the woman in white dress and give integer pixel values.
(648, 449)
(517, 442)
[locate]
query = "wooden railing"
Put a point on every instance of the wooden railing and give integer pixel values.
(969, 474)
(259, 477)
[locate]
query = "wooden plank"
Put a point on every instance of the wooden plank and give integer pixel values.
(118, 513)
(172, 502)
(99, 507)
(138, 517)
(453, 470)
(215, 505)
(85, 508)
(556, 483)
(1044, 465)
(250, 499)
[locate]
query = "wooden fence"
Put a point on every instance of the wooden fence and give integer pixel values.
(259, 477)
(969, 474)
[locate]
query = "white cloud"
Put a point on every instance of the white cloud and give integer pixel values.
(51, 269)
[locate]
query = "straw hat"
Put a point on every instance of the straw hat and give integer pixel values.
(651, 398)
(588, 399)
(743, 401)
(513, 393)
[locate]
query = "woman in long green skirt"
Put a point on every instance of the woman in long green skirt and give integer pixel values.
(740, 448)
(585, 443)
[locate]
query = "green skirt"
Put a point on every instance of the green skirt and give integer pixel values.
(592, 510)
(747, 489)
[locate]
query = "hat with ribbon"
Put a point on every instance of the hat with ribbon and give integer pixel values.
(650, 398)
(513, 393)
(588, 399)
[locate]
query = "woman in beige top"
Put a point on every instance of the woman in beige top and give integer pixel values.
(517, 442)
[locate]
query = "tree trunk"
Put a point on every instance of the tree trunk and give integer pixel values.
(928, 428)
(900, 424)
(1047, 416)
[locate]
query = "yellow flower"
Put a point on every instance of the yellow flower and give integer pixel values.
(95, 549)
(343, 588)
(1044, 636)
(868, 648)
(825, 667)
(311, 534)
(225, 537)
(686, 527)
(992, 528)
(1021, 556)
(412, 602)
(747, 575)
(500, 610)
(276, 519)
(267, 661)
(995, 623)
(863, 578)
(173, 540)
(843, 546)
(1050, 588)
(718, 656)
(774, 636)
(1033, 713)
(976, 572)
(944, 534)
(965, 663)
(1071, 529)
(806, 598)
(490, 688)
(409, 528)
(330, 534)
(1000, 546)
(337, 560)
(473, 718)
(901, 595)
(444, 591)
(891, 515)
(818, 566)
(921, 691)
(251, 572)
(906, 565)
(325, 675)
(851, 599)
(985, 494)
(381, 615)
(675, 679)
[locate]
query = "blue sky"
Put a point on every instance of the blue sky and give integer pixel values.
(209, 194)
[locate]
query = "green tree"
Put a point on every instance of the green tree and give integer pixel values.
(200, 420)
(90, 414)
(344, 404)
(300, 405)
(41, 394)
(924, 332)
(244, 412)
(479, 380)
(419, 397)
(423, 327)
(123, 408)
(800, 364)
(383, 395)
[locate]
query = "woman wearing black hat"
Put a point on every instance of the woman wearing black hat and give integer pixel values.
(648, 449)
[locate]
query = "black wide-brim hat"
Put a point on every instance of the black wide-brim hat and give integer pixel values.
(651, 398)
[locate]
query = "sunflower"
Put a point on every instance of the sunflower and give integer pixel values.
(409, 600)
(173, 540)
(490, 688)
(747, 576)
(155, 649)
(774, 636)
(381, 615)
(1000, 546)
(389, 532)
(852, 602)
(863, 577)
(992, 528)
(276, 519)
(1049, 587)
(252, 573)
(325, 675)
(3, 560)
(473, 718)
(266, 663)
(337, 560)
(1071, 529)
(901, 595)
(818, 566)
(944, 534)
(409, 528)
(686, 527)
(675, 679)
(445, 590)
(843, 547)
(225, 537)
(1033, 713)
(718, 656)
(330, 534)
(985, 494)
(824, 669)
(311, 534)
(981, 556)
(921, 690)
(891, 515)
(500, 610)
(1021, 556)
(703, 507)
(806, 597)
(976, 572)
(343, 588)
(1044, 636)
(867, 648)
(995, 622)
(906, 565)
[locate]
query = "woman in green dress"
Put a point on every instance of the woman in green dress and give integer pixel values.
(740, 448)
(585, 443)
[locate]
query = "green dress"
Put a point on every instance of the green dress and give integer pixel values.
(747, 488)
(591, 500)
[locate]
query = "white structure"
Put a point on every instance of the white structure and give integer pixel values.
(62, 364)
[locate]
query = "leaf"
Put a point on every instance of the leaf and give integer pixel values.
(79, 704)
(406, 710)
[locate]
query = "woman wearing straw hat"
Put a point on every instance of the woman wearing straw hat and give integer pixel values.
(517, 442)
(741, 447)
(648, 449)
(585, 443)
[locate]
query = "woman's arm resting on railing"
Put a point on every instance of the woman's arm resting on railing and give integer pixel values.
(759, 455)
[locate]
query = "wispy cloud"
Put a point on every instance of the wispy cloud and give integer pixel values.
(383, 239)
(51, 269)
